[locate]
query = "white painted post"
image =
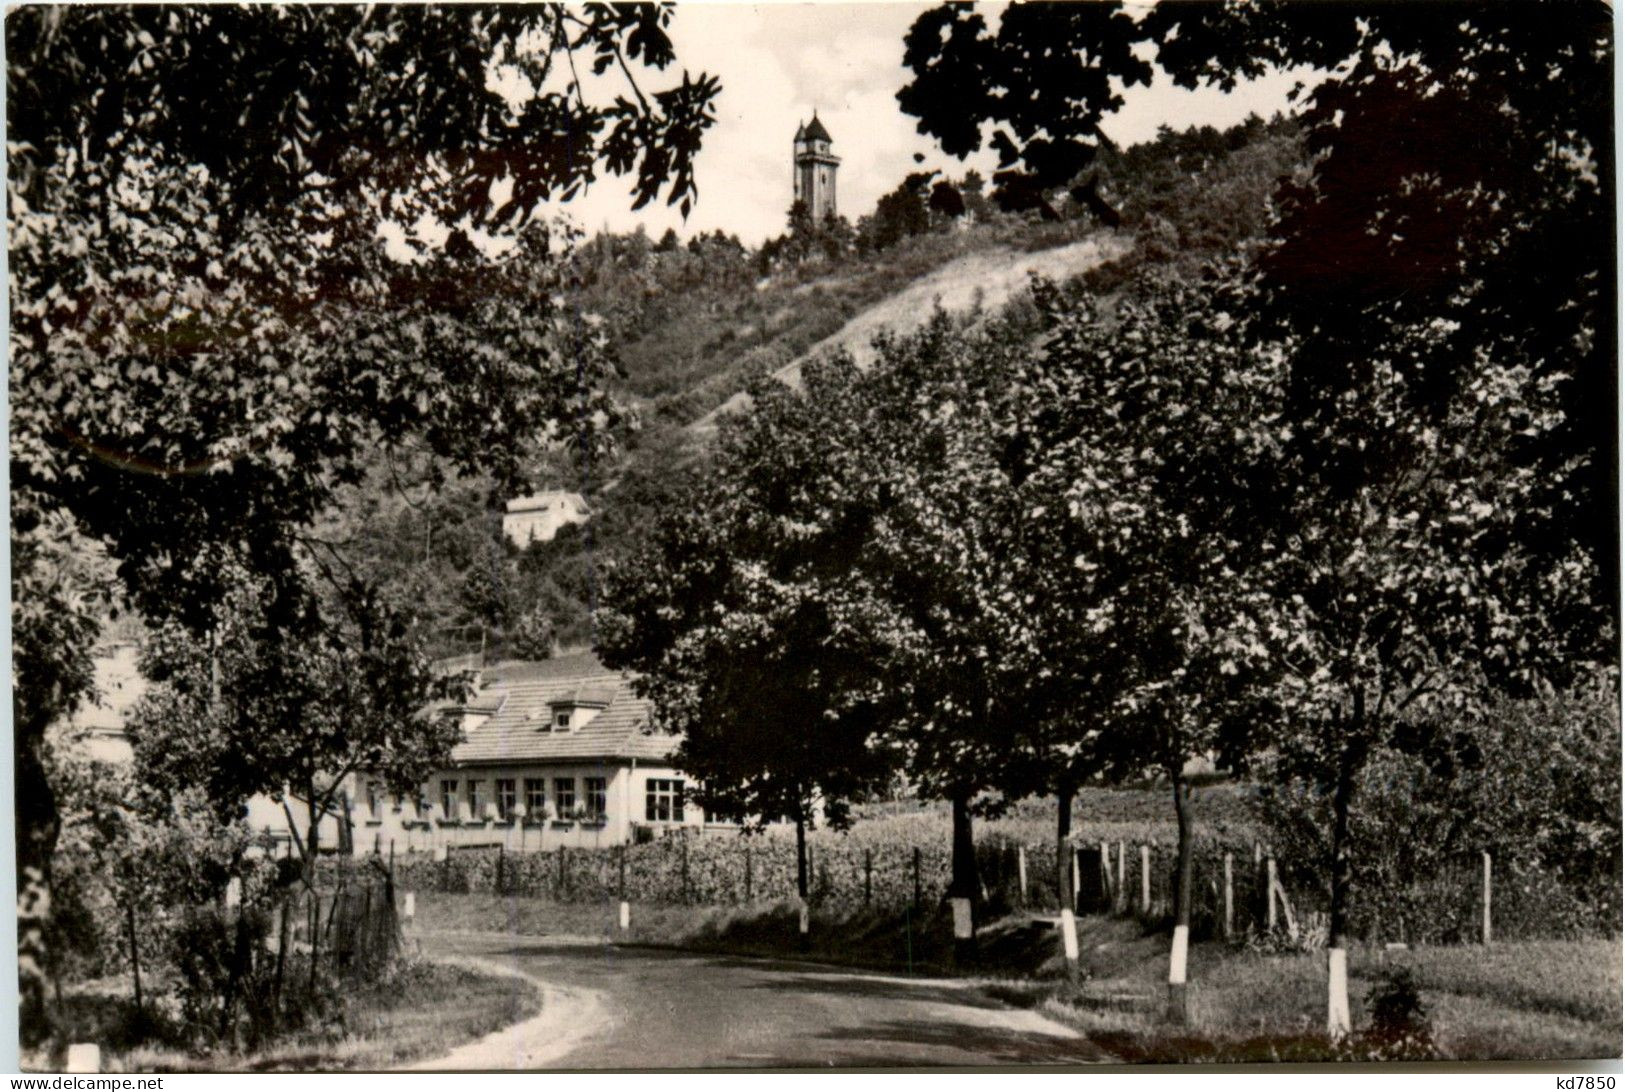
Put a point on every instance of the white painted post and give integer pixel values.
(1178, 1011)
(410, 908)
(626, 915)
(1069, 940)
(1077, 880)
(1145, 879)
(1269, 892)
(1337, 992)
(802, 922)
(962, 918)
(1487, 896)
(1021, 872)
(1229, 899)
(84, 1058)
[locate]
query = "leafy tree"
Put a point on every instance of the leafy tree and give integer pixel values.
(484, 593)
(902, 212)
(1448, 486)
(205, 334)
(1412, 215)
(956, 616)
(1036, 89)
(747, 631)
(946, 200)
(533, 636)
(1534, 782)
(246, 713)
(1127, 475)
(973, 190)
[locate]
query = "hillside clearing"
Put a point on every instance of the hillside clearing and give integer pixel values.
(987, 279)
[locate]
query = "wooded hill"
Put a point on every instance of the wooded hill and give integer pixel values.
(694, 323)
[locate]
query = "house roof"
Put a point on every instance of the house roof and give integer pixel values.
(815, 130)
(547, 499)
(520, 731)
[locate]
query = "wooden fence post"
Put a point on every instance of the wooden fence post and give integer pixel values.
(1122, 877)
(1077, 876)
(685, 869)
(1021, 877)
(1487, 932)
(1269, 893)
(1145, 879)
(868, 875)
(1229, 899)
(747, 873)
(1106, 888)
(1258, 872)
(564, 886)
(916, 877)
(502, 858)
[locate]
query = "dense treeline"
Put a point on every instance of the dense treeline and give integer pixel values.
(1324, 481)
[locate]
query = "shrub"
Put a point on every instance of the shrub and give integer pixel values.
(1399, 1029)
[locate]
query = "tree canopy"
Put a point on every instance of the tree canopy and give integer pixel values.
(207, 336)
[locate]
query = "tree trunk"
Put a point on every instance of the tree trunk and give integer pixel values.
(801, 854)
(1178, 997)
(962, 883)
(135, 953)
(1337, 985)
(37, 827)
(1063, 851)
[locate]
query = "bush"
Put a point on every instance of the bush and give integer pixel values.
(1534, 783)
(1400, 1029)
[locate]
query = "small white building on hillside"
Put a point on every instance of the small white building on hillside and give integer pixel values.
(537, 518)
(96, 728)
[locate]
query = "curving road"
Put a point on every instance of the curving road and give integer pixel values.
(632, 1008)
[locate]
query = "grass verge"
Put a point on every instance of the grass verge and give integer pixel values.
(1538, 1000)
(421, 1011)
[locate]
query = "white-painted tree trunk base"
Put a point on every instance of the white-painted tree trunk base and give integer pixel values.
(1337, 992)
(626, 915)
(802, 922)
(84, 1058)
(1069, 935)
(1177, 955)
(962, 918)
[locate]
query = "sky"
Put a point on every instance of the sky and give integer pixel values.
(780, 62)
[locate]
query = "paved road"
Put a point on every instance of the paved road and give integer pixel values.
(629, 1008)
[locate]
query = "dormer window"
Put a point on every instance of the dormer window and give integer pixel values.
(575, 709)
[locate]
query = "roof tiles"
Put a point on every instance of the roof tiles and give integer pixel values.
(521, 729)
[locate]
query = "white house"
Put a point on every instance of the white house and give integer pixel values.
(555, 752)
(537, 518)
(96, 728)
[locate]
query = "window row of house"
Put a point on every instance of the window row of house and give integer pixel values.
(465, 799)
